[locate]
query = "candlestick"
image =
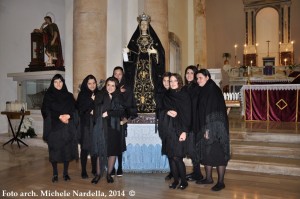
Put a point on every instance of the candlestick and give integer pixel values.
(235, 46)
(292, 56)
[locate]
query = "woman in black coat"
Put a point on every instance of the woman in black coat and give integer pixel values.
(177, 121)
(59, 114)
(212, 129)
(113, 116)
(86, 107)
(99, 134)
(191, 87)
(159, 97)
(130, 109)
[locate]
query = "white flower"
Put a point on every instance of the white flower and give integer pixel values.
(27, 123)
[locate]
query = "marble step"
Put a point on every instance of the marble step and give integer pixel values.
(283, 150)
(270, 165)
(265, 137)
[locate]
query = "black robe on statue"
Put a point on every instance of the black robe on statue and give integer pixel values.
(61, 138)
(143, 72)
(179, 102)
(211, 115)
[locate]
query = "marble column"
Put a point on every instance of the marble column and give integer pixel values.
(200, 33)
(89, 50)
(158, 10)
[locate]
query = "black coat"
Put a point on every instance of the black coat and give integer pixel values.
(115, 136)
(160, 113)
(211, 115)
(179, 102)
(129, 100)
(85, 105)
(61, 138)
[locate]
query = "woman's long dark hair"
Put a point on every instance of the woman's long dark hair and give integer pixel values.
(194, 69)
(84, 86)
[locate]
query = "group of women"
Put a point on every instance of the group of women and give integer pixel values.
(97, 121)
(192, 121)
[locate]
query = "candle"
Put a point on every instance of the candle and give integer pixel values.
(235, 46)
(285, 61)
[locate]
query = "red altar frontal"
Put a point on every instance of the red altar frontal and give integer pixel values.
(278, 102)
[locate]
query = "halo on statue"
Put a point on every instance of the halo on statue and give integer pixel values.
(50, 14)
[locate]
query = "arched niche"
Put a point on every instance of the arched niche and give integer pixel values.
(267, 20)
(267, 34)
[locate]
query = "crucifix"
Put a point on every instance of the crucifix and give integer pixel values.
(268, 47)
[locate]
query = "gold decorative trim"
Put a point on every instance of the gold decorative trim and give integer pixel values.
(281, 100)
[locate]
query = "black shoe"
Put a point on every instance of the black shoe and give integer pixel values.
(67, 177)
(119, 172)
(55, 178)
(182, 186)
(169, 176)
(96, 179)
(193, 177)
(204, 181)
(189, 176)
(109, 179)
(113, 172)
(173, 185)
(84, 175)
(218, 187)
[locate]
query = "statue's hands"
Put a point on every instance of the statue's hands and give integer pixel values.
(126, 50)
(152, 51)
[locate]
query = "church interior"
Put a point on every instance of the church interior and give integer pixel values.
(251, 48)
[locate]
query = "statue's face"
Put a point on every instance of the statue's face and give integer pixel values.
(47, 20)
(144, 26)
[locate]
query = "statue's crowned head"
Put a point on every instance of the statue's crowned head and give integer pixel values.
(143, 17)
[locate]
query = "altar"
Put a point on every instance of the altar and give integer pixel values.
(274, 102)
(143, 154)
